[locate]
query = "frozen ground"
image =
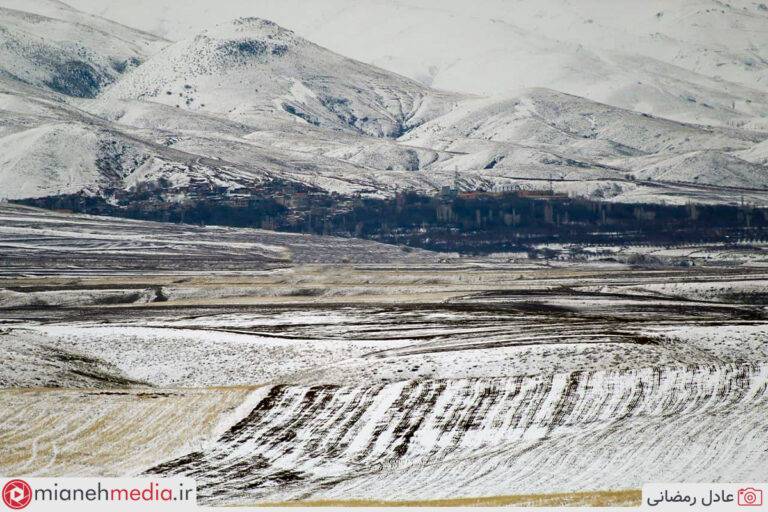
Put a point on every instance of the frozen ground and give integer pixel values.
(407, 380)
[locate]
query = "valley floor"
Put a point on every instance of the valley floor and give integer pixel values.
(465, 382)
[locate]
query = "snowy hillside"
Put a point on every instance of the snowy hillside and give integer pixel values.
(551, 135)
(78, 55)
(49, 148)
(251, 68)
(546, 116)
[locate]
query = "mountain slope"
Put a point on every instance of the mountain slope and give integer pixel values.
(65, 51)
(64, 11)
(545, 116)
(251, 69)
(540, 133)
(49, 147)
(67, 158)
(709, 167)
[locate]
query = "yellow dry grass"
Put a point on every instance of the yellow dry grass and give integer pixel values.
(328, 285)
(621, 498)
(54, 432)
(267, 286)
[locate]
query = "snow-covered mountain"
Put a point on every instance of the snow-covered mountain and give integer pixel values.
(247, 102)
(544, 116)
(703, 61)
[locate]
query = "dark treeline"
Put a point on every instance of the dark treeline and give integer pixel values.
(487, 222)
(466, 222)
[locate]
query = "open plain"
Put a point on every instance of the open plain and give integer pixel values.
(353, 380)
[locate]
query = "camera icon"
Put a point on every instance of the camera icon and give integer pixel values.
(750, 497)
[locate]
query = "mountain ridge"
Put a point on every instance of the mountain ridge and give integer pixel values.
(248, 102)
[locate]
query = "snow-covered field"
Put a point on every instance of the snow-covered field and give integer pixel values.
(400, 377)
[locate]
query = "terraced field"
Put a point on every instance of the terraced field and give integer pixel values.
(407, 440)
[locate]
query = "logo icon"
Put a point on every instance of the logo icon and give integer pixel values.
(750, 497)
(17, 494)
